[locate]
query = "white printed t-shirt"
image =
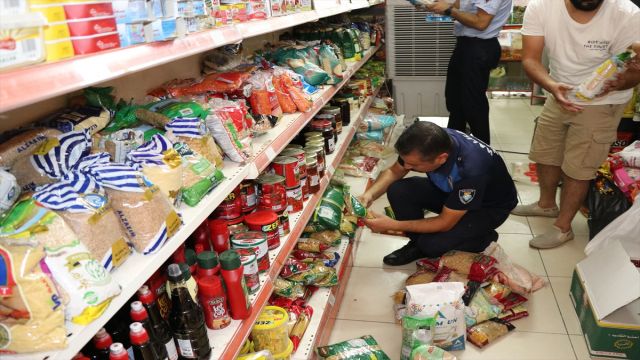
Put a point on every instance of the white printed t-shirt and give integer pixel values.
(575, 50)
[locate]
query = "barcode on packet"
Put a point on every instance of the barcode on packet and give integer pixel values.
(6, 5)
(29, 45)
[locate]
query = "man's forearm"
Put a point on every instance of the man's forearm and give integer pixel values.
(538, 73)
(468, 19)
(631, 79)
(422, 226)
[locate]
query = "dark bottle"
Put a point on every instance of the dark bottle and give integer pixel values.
(186, 318)
(139, 314)
(142, 347)
(161, 329)
(101, 342)
(118, 352)
(119, 328)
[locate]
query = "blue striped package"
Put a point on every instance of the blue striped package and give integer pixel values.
(161, 164)
(191, 127)
(83, 205)
(145, 213)
(193, 132)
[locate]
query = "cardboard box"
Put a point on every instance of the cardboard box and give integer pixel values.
(605, 291)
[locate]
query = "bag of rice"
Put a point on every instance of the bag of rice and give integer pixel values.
(161, 113)
(31, 310)
(9, 190)
(199, 177)
(416, 331)
(82, 203)
(53, 158)
(93, 119)
(193, 132)
(145, 213)
(444, 302)
(487, 332)
(23, 144)
(120, 143)
(161, 164)
(365, 347)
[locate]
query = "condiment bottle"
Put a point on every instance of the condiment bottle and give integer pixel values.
(101, 341)
(142, 347)
(237, 294)
(202, 236)
(117, 352)
(207, 265)
(139, 314)
(189, 280)
(161, 329)
(213, 301)
(186, 318)
(190, 259)
(219, 235)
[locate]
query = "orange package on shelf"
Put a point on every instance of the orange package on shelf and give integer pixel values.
(263, 98)
(286, 103)
(302, 101)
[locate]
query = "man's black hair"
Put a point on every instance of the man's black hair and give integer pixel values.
(429, 139)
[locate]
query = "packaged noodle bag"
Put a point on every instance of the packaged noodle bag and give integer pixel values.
(444, 302)
(592, 86)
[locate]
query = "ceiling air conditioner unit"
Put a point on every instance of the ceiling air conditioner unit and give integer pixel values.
(418, 55)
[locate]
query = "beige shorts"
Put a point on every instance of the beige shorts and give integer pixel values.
(577, 142)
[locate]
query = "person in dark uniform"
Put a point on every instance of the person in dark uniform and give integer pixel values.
(467, 185)
(477, 25)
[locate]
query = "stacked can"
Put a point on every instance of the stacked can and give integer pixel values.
(317, 152)
(298, 154)
(272, 195)
(248, 196)
(265, 221)
(288, 168)
(257, 242)
(230, 209)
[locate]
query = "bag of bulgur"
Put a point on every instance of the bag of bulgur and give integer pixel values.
(146, 215)
(84, 206)
(161, 164)
(200, 176)
(23, 144)
(193, 132)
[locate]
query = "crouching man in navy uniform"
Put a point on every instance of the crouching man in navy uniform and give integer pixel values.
(467, 185)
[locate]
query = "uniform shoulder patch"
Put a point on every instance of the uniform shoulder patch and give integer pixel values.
(466, 195)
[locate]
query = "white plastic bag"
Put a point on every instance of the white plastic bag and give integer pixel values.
(519, 279)
(625, 229)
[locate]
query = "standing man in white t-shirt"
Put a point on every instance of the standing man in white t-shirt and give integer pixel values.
(572, 140)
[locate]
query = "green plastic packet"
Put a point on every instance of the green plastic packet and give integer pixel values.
(193, 194)
(362, 348)
(416, 331)
(100, 97)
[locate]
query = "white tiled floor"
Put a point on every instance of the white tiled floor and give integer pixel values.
(552, 330)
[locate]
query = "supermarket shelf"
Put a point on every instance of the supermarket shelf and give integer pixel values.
(268, 146)
(359, 4)
(37, 83)
(143, 267)
(237, 332)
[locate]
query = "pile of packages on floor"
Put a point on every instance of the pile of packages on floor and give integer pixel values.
(107, 164)
(310, 266)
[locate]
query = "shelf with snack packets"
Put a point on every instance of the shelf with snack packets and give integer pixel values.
(234, 335)
(269, 145)
(29, 85)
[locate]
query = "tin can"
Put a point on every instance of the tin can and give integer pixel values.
(311, 134)
(294, 199)
(256, 241)
(304, 184)
(320, 158)
(313, 177)
(298, 154)
(250, 263)
(294, 146)
(283, 223)
(267, 222)
(231, 206)
(288, 167)
(248, 197)
(272, 194)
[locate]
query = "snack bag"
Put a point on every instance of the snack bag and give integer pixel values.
(84, 206)
(416, 331)
(592, 86)
(365, 347)
(287, 289)
(481, 308)
(430, 352)
(200, 176)
(444, 302)
(483, 334)
(329, 237)
(515, 313)
(311, 245)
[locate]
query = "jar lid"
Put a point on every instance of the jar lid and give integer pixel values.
(292, 152)
(284, 160)
(334, 110)
(248, 239)
(207, 260)
(230, 260)
(271, 317)
(312, 133)
(261, 217)
(270, 179)
(311, 161)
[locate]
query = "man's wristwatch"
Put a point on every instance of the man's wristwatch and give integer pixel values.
(448, 11)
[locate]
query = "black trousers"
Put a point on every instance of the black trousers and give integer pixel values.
(467, 82)
(409, 198)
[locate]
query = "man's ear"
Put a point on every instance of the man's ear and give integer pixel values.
(442, 158)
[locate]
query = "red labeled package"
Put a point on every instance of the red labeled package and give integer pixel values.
(92, 26)
(87, 10)
(512, 300)
(514, 313)
(292, 267)
(477, 267)
(282, 94)
(92, 44)
(263, 99)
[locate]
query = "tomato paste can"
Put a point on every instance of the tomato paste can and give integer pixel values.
(267, 222)
(299, 155)
(248, 196)
(256, 241)
(272, 194)
(283, 223)
(304, 184)
(250, 263)
(231, 206)
(294, 199)
(237, 226)
(288, 167)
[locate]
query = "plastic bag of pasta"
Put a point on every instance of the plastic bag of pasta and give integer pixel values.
(199, 177)
(84, 206)
(287, 289)
(329, 237)
(487, 332)
(193, 132)
(145, 213)
(477, 267)
(365, 347)
(329, 213)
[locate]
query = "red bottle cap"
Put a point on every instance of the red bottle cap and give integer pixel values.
(117, 352)
(261, 217)
(102, 339)
(138, 312)
(138, 334)
(145, 295)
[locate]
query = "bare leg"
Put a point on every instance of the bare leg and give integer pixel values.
(548, 178)
(571, 198)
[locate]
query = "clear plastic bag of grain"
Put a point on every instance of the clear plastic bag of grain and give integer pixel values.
(193, 132)
(200, 175)
(23, 144)
(146, 215)
(161, 164)
(84, 206)
(51, 159)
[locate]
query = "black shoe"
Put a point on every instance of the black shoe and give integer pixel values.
(404, 255)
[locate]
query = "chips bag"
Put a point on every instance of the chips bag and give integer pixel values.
(365, 347)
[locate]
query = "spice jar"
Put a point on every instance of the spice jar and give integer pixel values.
(336, 112)
(250, 264)
(313, 177)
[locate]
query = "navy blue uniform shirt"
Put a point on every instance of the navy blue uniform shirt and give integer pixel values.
(474, 176)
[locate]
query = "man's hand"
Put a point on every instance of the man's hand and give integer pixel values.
(381, 223)
(438, 7)
(559, 91)
(365, 199)
(614, 84)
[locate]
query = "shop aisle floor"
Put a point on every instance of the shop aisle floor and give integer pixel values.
(551, 331)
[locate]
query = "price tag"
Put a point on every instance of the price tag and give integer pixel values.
(271, 154)
(332, 299)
